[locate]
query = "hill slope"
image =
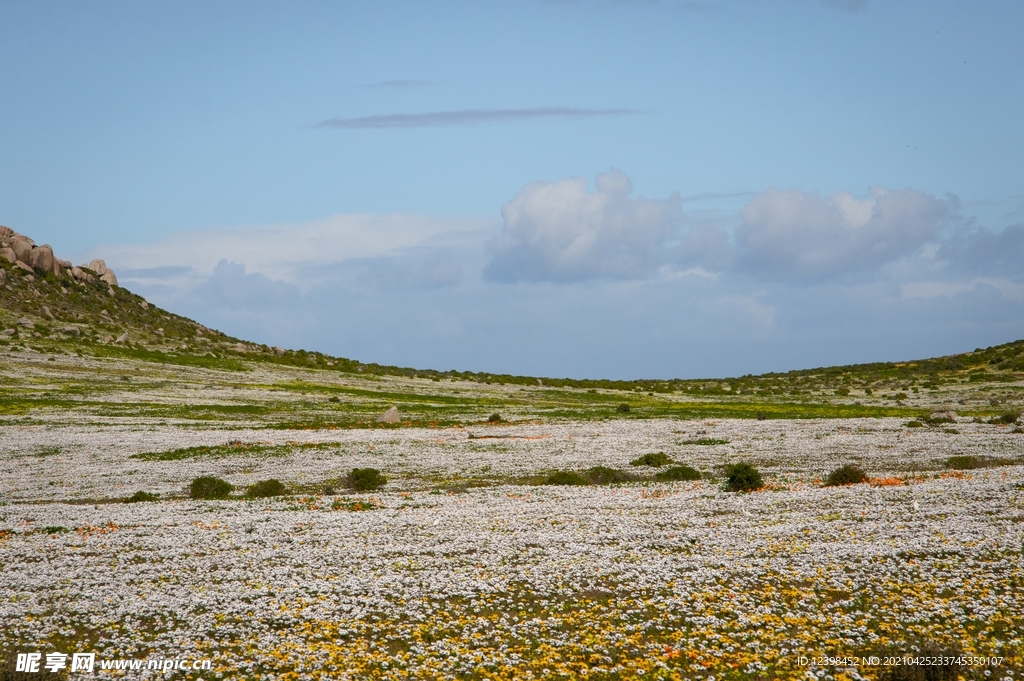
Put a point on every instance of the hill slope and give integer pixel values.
(50, 311)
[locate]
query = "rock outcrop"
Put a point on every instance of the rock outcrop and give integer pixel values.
(390, 416)
(22, 251)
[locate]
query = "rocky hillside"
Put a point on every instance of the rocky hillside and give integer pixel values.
(49, 305)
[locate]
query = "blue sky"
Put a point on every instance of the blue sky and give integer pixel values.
(618, 189)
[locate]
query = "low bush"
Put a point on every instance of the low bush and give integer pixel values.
(265, 488)
(742, 477)
(652, 459)
(209, 487)
(678, 473)
(565, 478)
(603, 475)
(849, 474)
(622, 408)
(495, 418)
(915, 424)
(1006, 417)
(141, 496)
(366, 479)
(964, 463)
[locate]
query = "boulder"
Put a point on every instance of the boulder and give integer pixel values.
(944, 414)
(390, 416)
(109, 277)
(23, 266)
(9, 332)
(26, 322)
(22, 247)
(279, 352)
(81, 275)
(41, 258)
(71, 331)
(122, 338)
(6, 232)
(97, 266)
(46, 311)
(8, 254)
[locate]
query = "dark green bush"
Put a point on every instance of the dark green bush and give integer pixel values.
(678, 473)
(141, 496)
(495, 418)
(652, 459)
(603, 475)
(623, 408)
(366, 479)
(914, 424)
(266, 488)
(850, 474)
(209, 487)
(1007, 417)
(565, 478)
(964, 463)
(742, 477)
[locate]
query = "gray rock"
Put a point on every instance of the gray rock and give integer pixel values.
(26, 322)
(81, 275)
(9, 332)
(21, 264)
(71, 331)
(8, 254)
(390, 416)
(123, 338)
(46, 311)
(6, 232)
(946, 414)
(97, 266)
(109, 278)
(159, 332)
(279, 352)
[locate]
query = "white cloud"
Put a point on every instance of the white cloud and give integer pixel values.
(304, 253)
(795, 235)
(558, 231)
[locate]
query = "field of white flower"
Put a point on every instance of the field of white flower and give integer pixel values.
(460, 567)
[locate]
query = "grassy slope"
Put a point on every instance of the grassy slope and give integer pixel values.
(171, 367)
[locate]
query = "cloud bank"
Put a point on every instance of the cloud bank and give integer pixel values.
(585, 280)
(466, 117)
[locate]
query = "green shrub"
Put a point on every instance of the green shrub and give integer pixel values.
(265, 488)
(678, 473)
(849, 474)
(622, 408)
(708, 441)
(495, 418)
(914, 424)
(652, 459)
(938, 420)
(366, 479)
(742, 477)
(1006, 417)
(964, 463)
(141, 496)
(565, 478)
(209, 487)
(603, 475)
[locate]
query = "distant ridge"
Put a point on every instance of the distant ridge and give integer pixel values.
(48, 304)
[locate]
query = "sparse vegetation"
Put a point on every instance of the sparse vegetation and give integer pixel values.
(652, 459)
(742, 477)
(565, 478)
(266, 488)
(142, 496)
(678, 473)
(603, 475)
(849, 474)
(366, 479)
(209, 487)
